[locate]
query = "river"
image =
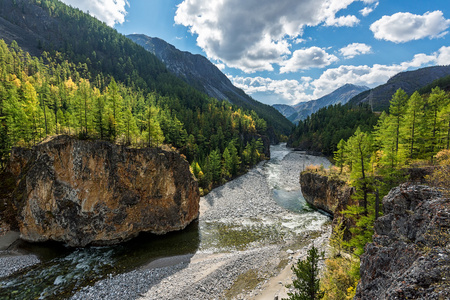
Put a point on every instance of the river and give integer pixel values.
(260, 209)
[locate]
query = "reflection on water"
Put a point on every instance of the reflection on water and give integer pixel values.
(69, 270)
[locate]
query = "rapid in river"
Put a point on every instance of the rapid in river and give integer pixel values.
(260, 209)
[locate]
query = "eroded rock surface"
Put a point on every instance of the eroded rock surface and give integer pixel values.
(86, 192)
(328, 194)
(410, 254)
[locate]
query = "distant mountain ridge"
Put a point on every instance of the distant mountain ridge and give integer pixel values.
(203, 75)
(410, 82)
(302, 110)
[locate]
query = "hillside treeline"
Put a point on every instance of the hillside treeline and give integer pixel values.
(323, 130)
(415, 133)
(47, 96)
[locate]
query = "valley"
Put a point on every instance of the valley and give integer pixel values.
(171, 150)
(245, 227)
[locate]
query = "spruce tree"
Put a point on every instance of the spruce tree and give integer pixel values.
(307, 277)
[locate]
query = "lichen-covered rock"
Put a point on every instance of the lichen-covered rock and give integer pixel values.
(94, 192)
(410, 254)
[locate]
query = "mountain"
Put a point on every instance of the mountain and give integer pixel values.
(130, 97)
(302, 110)
(284, 109)
(410, 82)
(201, 74)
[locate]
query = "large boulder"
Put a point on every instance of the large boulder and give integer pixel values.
(94, 192)
(324, 192)
(410, 254)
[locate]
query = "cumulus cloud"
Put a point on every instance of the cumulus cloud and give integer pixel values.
(373, 76)
(355, 49)
(369, 9)
(443, 56)
(289, 91)
(293, 91)
(109, 11)
(313, 57)
(404, 27)
(253, 35)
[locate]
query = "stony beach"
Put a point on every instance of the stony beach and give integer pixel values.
(259, 272)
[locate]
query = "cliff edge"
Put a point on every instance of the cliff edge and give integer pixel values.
(94, 192)
(409, 257)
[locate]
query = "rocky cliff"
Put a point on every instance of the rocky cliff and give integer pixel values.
(86, 192)
(409, 257)
(329, 194)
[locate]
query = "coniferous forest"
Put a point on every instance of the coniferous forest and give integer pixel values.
(101, 85)
(414, 134)
(47, 96)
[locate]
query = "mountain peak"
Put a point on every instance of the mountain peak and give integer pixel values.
(302, 110)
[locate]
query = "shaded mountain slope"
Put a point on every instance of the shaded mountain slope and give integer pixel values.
(410, 81)
(200, 73)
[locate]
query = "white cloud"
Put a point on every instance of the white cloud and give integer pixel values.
(373, 76)
(293, 91)
(289, 91)
(220, 66)
(369, 9)
(366, 11)
(313, 57)
(348, 21)
(253, 35)
(109, 11)
(355, 49)
(404, 27)
(443, 56)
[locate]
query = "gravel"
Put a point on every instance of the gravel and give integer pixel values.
(12, 263)
(207, 275)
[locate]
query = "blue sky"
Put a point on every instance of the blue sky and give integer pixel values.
(288, 51)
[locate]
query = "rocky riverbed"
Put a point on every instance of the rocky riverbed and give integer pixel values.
(250, 257)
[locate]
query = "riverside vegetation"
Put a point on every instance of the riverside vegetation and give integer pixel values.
(415, 133)
(86, 79)
(49, 95)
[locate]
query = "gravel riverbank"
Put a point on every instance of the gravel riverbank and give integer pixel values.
(12, 261)
(232, 273)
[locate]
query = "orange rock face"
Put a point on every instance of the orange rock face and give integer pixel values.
(86, 192)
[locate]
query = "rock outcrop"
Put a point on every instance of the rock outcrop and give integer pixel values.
(409, 257)
(326, 193)
(94, 192)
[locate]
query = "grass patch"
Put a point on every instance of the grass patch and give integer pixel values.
(245, 282)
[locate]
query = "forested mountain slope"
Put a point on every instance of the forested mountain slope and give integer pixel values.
(200, 73)
(410, 81)
(90, 81)
(322, 131)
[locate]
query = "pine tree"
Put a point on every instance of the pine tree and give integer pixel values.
(397, 110)
(413, 118)
(359, 148)
(339, 155)
(227, 164)
(437, 100)
(307, 282)
(215, 165)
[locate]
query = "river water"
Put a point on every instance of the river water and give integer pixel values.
(63, 271)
